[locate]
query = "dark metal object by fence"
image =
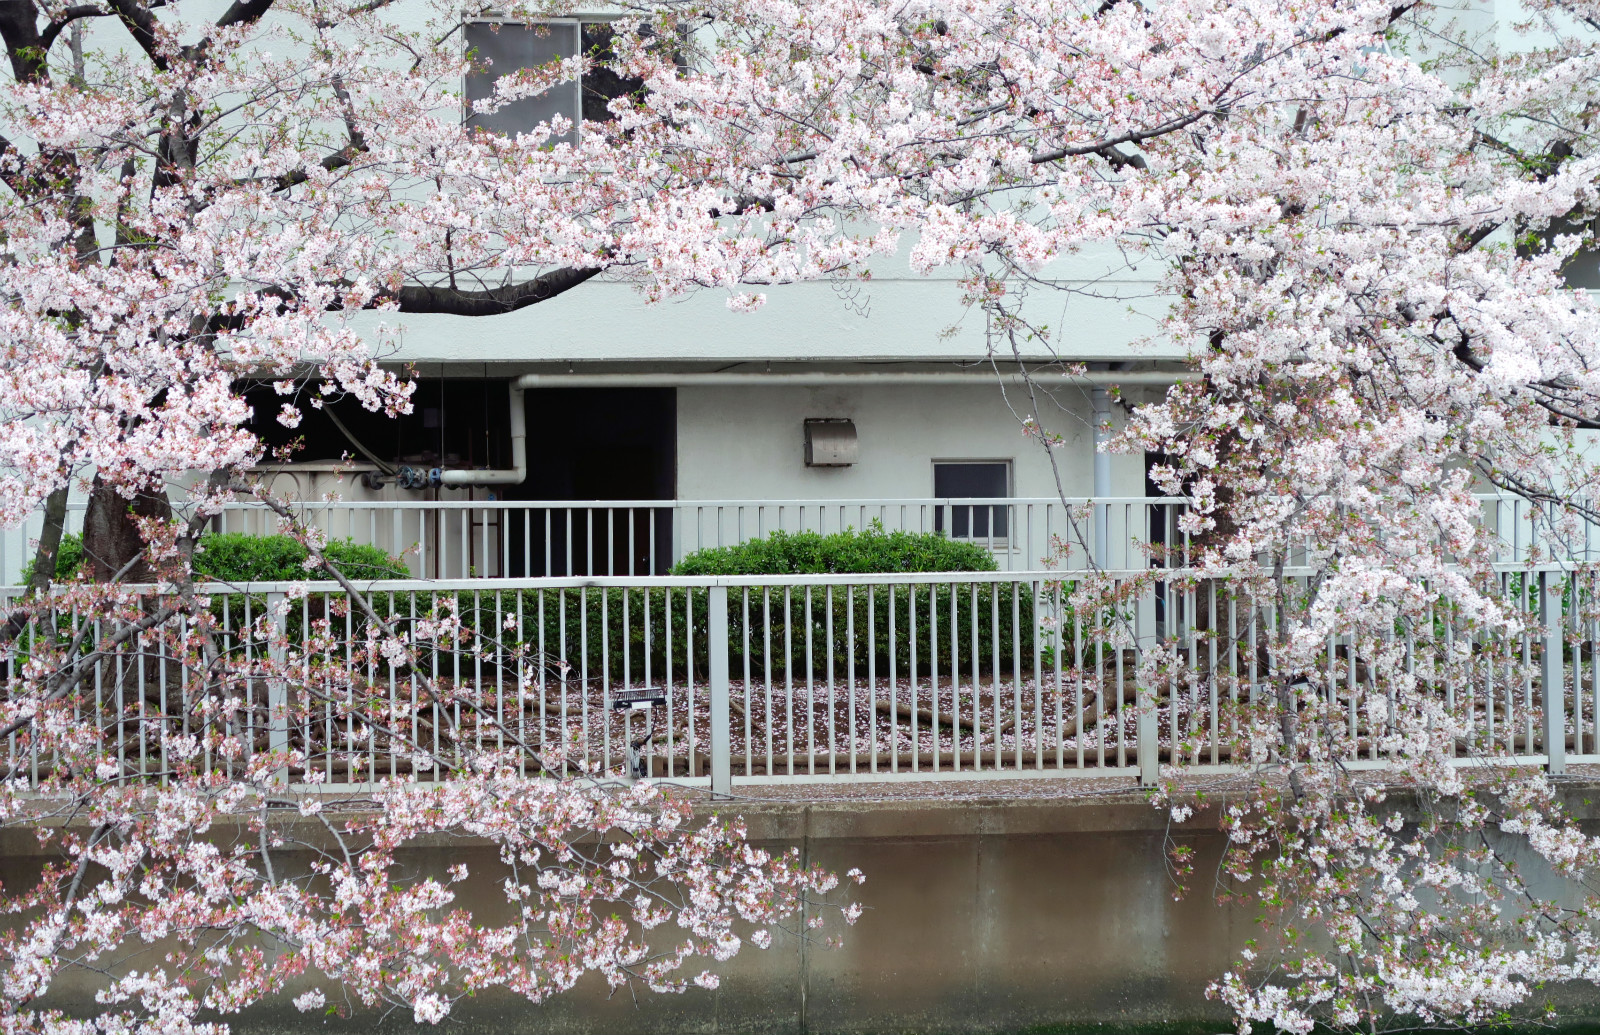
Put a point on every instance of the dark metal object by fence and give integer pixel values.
(643, 697)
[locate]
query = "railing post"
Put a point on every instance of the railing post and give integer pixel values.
(1147, 726)
(717, 649)
(1101, 400)
(1147, 733)
(277, 685)
(1144, 616)
(1552, 675)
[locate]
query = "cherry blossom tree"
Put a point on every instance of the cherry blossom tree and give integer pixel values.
(197, 194)
(1363, 212)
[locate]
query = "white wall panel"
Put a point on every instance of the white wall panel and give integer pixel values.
(743, 443)
(908, 318)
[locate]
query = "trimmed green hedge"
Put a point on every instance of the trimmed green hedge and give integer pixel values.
(237, 557)
(612, 630)
(69, 558)
(841, 553)
(601, 638)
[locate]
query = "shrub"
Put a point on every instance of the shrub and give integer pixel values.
(237, 557)
(601, 640)
(69, 558)
(841, 553)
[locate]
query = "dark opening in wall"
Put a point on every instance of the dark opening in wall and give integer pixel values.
(583, 445)
(597, 444)
(972, 480)
(455, 422)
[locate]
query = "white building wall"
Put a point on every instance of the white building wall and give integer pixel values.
(1104, 312)
(748, 443)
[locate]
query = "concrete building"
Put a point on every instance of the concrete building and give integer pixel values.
(688, 402)
(642, 414)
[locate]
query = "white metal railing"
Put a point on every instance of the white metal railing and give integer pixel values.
(537, 538)
(804, 678)
(544, 538)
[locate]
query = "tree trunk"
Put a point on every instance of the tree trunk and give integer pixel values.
(111, 539)
(44, 558)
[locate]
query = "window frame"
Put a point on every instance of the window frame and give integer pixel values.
(577, 20)
(992, 539)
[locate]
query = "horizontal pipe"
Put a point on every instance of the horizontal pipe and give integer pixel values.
(752, 379)
(517, 473)
(821, 378)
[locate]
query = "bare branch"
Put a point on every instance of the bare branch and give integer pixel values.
(144, 29)
(490, 301)
(68, 17)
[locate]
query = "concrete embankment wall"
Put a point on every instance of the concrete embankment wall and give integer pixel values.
(982, 915)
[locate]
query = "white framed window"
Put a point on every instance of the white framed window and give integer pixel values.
(957, 480)
(499, 48)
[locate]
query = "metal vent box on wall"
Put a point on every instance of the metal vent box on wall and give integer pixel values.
(831, 442)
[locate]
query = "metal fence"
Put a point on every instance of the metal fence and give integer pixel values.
(811, 678)
(530, 539)
(563, 538)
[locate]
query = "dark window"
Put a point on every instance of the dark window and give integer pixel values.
(970, 481)
(458, 422)
(500, 48)
(601, 86)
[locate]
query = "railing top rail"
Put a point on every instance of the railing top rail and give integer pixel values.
(492, 585)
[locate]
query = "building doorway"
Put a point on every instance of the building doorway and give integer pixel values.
(602, 445)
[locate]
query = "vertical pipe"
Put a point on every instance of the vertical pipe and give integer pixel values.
(717, 651)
